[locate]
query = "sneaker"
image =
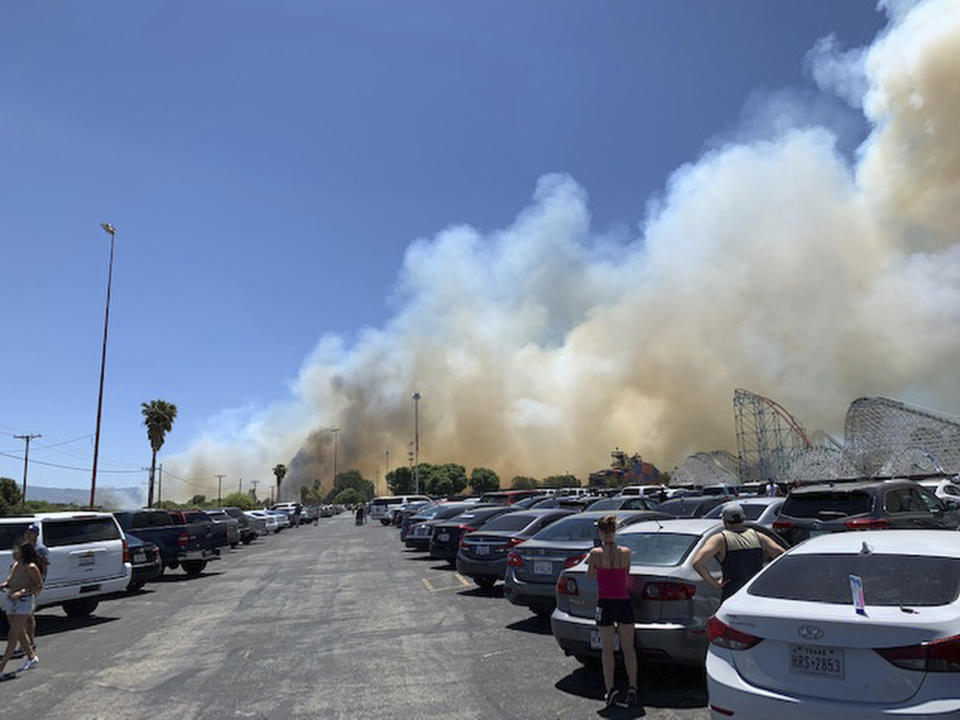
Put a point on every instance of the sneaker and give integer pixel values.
(18, 653)
(30, 664)
(632, 698)
(612, 697)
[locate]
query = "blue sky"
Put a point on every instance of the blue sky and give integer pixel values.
(267, 163)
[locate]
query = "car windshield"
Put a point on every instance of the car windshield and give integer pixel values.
(827, 504)
(680, 508)
(611, 504)
(446, 512)
(569, 529)
(751, 511)
(888, 580)
(658, 548)
(510, 521)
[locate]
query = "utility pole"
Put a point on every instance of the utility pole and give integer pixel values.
(240, 486)
(26, 455)
(112, 232)
(254, 483)
(219, 484)
(416, 441)
(160, 483)
(336, 449)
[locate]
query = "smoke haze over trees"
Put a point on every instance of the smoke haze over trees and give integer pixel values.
(773, 262)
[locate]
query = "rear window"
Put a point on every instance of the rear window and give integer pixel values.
(387, 501)
(750, 512)
(606, 505)
(57, 533)
(569, 529)
(12, 533)
(827, 504)
(510, 521)
(888, 580)
(680, 508)
(444, 513)
(660, 549)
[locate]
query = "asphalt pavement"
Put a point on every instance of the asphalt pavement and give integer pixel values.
(327, 621)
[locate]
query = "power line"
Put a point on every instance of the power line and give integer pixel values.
(63, 467)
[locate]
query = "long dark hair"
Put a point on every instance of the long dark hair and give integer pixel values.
(28, 553)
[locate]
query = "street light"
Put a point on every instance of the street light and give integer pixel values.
(112, 232)
(416, 441)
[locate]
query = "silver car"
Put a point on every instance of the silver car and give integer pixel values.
(534, 566)
(761, 510)
(671, 602)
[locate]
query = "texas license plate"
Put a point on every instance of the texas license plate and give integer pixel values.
(443, 537)
(139, 557)
(87, 559)
(596, 643)
(817, 661)
(543, 568)
(483, 549)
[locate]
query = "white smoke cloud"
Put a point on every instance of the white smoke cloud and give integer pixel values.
(774, 264)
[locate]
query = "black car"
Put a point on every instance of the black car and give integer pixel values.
(419, 534)
(446, 534)
(869, 505)
(623, 502)
(145, 560)
(694, 506)
(482, 554)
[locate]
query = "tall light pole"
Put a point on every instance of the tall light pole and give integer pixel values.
(26, 455)
(416, 441)
(336, 448)
(219, 486)
(112, 232)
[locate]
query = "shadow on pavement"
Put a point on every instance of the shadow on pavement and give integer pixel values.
(662, 686)
(495, 592)
(175, 576)
(54, 624)
(533, 624)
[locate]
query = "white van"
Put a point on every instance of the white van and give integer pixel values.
(643, 490)
(89, 557)
(380, 507)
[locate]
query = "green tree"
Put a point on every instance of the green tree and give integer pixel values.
(353, 479)
(447, 479)
(664, 477)
(484, 480)
(240, 500)
(400, 481)
(158, 416)
(350, 496)
(522, 482)
(312, 494)
(9, 496)
(559, 481)
(279, 471)
(198, 500)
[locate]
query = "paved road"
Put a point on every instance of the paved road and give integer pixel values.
(332, 621)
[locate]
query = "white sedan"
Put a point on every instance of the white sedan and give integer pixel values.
(791, 645)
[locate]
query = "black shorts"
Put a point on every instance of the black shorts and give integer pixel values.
(613, 611)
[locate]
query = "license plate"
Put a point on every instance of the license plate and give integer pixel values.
(139, 557)
(443, 537)
(87, 559)
(817, 661)
(596, 643)
(483, 549)
(543, 568)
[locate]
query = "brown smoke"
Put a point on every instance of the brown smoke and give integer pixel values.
(775, 265)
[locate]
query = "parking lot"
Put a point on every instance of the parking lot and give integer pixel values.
(333, 621)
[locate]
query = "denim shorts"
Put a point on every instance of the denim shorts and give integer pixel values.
(24, 606)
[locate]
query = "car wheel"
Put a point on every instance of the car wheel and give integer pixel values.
(233, 546)
(135, 587)
(80, 608)
(247, 540)
(194, 567)
(485, 582)
(384, 522)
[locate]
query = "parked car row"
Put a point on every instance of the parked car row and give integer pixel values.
(791, 643)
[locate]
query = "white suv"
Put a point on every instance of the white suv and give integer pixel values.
(381, 507)
(89, 557)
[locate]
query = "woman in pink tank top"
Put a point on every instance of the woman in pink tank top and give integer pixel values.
(610, 565)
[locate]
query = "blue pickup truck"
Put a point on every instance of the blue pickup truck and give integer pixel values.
(190, 546)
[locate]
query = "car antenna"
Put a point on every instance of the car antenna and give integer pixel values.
(865, 549)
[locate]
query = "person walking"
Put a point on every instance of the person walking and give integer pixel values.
(771, 488)
(359, 517)
(22, 586)
(739, 549)
(609, 564)
(32, 536)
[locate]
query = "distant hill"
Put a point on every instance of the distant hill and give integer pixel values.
(117, 498)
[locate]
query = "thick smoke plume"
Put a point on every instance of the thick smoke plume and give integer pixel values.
(777, 265)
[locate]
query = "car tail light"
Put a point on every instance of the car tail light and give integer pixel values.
(567, 586)
(934, 656)
(668, 591)
(571, 561)
(466, 528)
(183, 539)
(126, 551)
(867, 524)
(782, 524)
(514, 560)
(722, 635)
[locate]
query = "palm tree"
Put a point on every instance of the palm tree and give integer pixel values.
(279, 470)
(158, 416)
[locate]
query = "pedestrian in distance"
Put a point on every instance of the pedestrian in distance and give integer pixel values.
(32, 536)
(771, 488)
(609, 564)
(359, 516)
(739, 549)
(21, 587)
